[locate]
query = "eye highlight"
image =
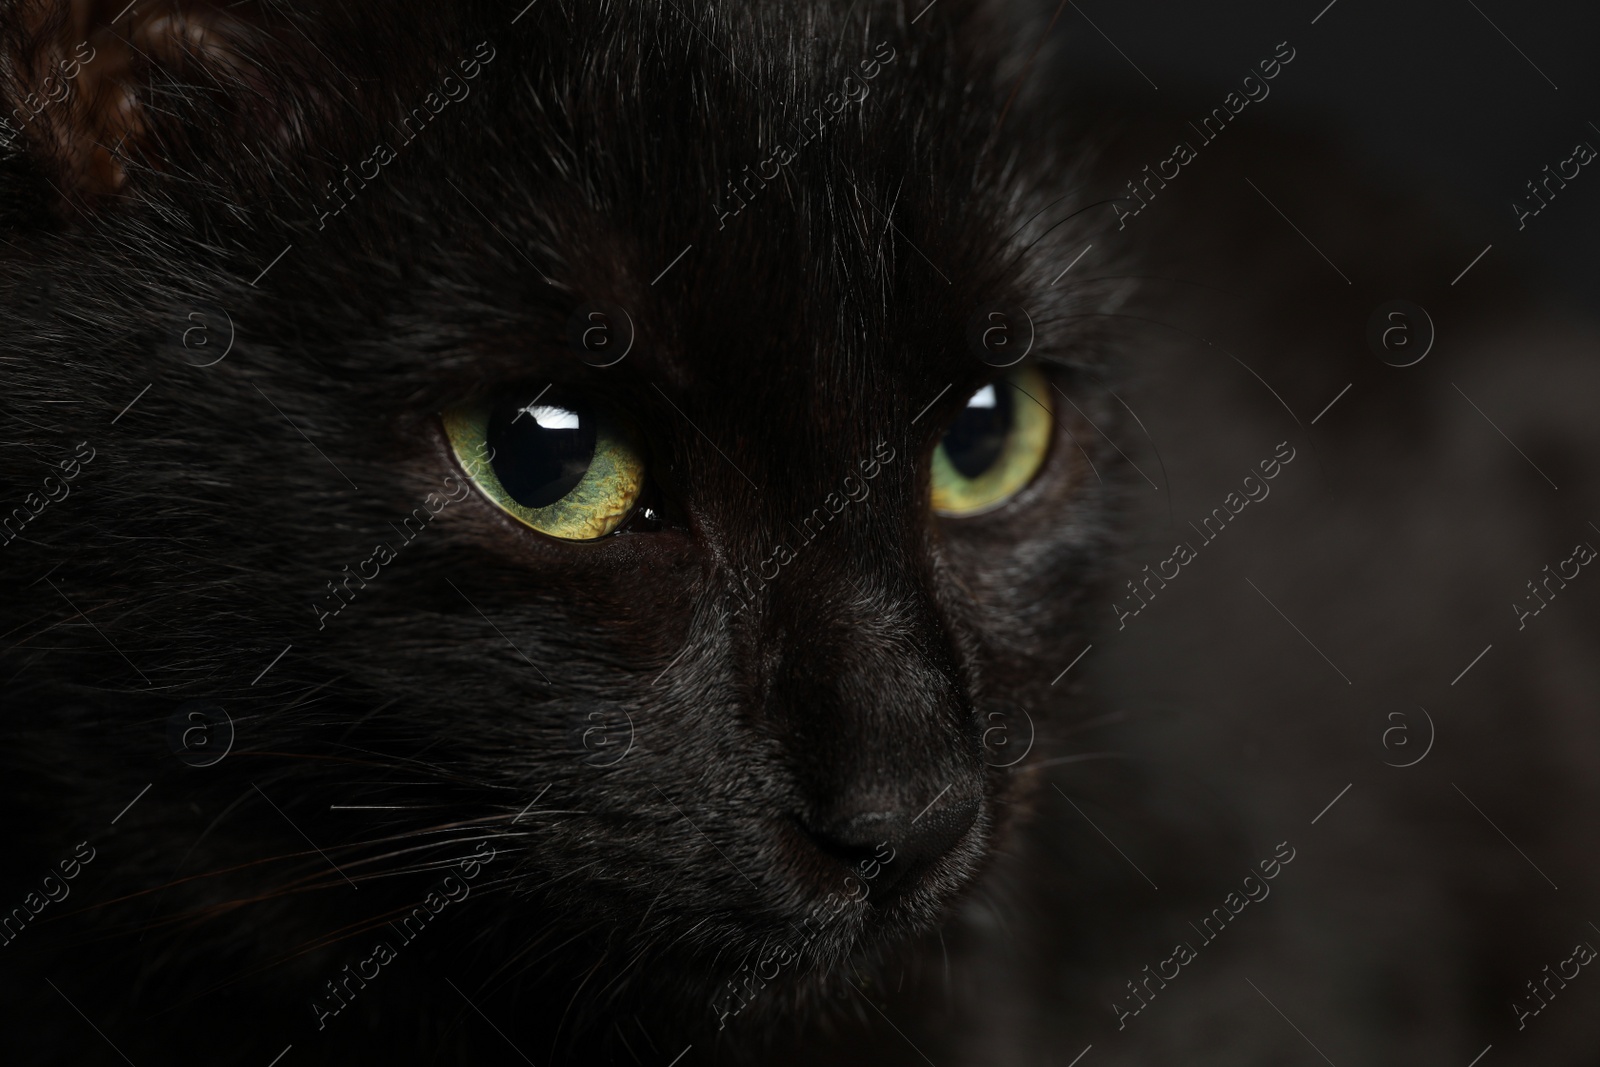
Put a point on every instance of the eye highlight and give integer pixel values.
(564, 467)
(995, 446)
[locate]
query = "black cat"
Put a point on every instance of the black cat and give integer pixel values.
(582, 533)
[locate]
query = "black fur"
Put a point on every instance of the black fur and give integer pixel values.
(453, 704)
(795, 342)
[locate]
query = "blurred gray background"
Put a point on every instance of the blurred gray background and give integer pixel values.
(1427, 94)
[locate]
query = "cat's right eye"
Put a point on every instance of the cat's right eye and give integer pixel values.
(995, 446)
(563, 466)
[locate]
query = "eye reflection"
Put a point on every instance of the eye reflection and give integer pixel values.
(978, 436)
(567, 468)
(540, 454)
(995, 446)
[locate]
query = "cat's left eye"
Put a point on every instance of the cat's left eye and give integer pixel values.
(995, 446)
(564, 466)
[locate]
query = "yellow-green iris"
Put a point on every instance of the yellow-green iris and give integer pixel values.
(566, 469)
(995, 446)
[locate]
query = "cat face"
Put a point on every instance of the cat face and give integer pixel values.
(710, 639)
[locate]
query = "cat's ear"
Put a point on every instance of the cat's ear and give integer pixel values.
(94, 92)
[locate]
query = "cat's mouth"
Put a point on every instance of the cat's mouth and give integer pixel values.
(879, 876)
(902, 885)
(882, 856)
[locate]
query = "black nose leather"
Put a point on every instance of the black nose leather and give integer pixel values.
(890, 851)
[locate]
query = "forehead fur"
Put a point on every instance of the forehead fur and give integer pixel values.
(635, 128)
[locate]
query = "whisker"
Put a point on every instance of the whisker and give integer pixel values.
(1082, 757)
(555, 1039)
(304, 949)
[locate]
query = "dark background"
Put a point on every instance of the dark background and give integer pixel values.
(1427, 97)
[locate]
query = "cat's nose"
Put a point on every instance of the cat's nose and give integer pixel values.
(890, 851)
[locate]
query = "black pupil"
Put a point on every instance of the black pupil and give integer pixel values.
(539, 451)
(978, 436)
